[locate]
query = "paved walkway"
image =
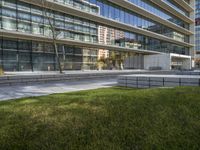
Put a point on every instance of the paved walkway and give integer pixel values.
(13, 92)
(71, 72)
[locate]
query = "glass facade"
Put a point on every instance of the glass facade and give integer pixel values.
(187, 1)
(177, 7)
(23, 55)
(80, 4)
(117, 13)
(147, 5)
(197, 29)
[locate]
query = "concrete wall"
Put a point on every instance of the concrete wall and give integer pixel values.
(186, 60)
(187, 64)
(162, 60)
(165, 61)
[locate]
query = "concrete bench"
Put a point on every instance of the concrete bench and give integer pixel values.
(188, 73)
(150, 81)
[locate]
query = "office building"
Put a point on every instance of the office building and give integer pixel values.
(123, 34)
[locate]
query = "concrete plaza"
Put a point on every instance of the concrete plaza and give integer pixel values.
(15, 85)
(20, 91)
(27, 84)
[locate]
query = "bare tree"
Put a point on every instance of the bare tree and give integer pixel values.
(55, 32)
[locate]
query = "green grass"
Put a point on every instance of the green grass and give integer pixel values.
(103, 119)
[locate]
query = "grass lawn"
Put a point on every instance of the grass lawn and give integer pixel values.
(104, 119)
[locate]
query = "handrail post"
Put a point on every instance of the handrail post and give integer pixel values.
(163, 82)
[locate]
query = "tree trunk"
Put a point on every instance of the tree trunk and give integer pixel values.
(57, 56)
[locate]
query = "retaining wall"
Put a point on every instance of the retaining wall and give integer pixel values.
(19, 79)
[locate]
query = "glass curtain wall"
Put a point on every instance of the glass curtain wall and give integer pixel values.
(147, 5)
(22, 55)
(197, 28)
(119, 14)
(177, 7)
(80, 4)
(109, 10)
(187, 1)
(33, 21)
